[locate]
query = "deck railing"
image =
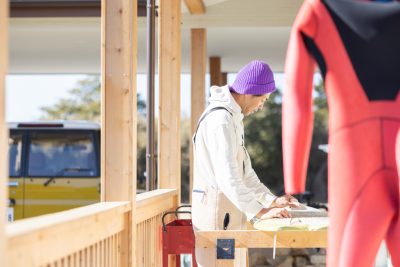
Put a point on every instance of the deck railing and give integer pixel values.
(95, 235)
(150, 207)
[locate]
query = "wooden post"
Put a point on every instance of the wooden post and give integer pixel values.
(118, 107)
(169, 71)
(198, 61)
(215, 71)
(3, 128)
(169, 148)
(224, 78)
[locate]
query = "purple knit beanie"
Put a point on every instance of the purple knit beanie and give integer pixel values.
(256, 78)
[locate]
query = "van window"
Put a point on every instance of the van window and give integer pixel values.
(62, 154)
(14, 154)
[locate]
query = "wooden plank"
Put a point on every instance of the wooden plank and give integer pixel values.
(3, 128)
(139, 248)
(112, 252)
(117, 244)
(198, 63)
(159, 195)
(125, 238)
(119, 109)
(76, 259)
(103, 253)
(43, 222)
(87, 257)
(150, 211)
(169, 148)
(215, 71)
(261, 239)
(92, 255)
(97, 253)
(195, 6)
(107, 254)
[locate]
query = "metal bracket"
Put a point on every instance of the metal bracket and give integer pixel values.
(225, 249)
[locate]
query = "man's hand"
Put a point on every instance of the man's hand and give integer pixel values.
(285, 201)
(273, 213)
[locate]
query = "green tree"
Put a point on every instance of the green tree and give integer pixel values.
(263, 142)
(83, 103)
(317, 170)
(263, 139)
(185, 159)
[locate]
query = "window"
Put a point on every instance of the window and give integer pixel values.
(62, 154)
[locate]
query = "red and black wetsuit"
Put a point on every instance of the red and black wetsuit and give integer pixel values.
(357, 47)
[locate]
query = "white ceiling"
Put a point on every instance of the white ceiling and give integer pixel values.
(237, 31)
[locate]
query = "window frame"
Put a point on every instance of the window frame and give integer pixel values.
(23, 153)
(96, 146)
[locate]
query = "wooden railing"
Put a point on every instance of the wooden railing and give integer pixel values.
(87, 236)
(150, 207)
(95, 235)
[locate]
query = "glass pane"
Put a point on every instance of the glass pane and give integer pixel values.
(15, 151)
(62, 154)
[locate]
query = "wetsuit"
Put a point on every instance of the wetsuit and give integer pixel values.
(356, 45)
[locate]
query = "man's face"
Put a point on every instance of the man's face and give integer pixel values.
(254, 103)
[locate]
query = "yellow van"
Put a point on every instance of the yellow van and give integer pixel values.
(53, 166)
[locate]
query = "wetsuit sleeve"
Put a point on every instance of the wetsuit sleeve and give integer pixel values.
(297, 117)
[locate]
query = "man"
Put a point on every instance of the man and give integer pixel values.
(226, 190)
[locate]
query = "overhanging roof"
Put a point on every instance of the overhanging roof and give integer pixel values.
(236, 31)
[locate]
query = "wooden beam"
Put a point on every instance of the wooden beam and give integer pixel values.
(195, 6)
(119, 107)
(198, 63)
(3, 128)
(261, 239)
(224, 78)
(56, 8)
(169, 148)
(242, 13)
(215, 71)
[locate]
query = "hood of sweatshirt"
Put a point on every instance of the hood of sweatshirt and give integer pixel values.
(222, 97)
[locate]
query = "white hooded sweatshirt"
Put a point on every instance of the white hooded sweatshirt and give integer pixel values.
(221, 160)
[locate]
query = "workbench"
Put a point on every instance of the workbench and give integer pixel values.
(253, 238)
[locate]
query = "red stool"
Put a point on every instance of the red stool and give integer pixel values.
(178, 238)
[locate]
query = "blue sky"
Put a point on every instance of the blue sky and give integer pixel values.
(27, 93)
